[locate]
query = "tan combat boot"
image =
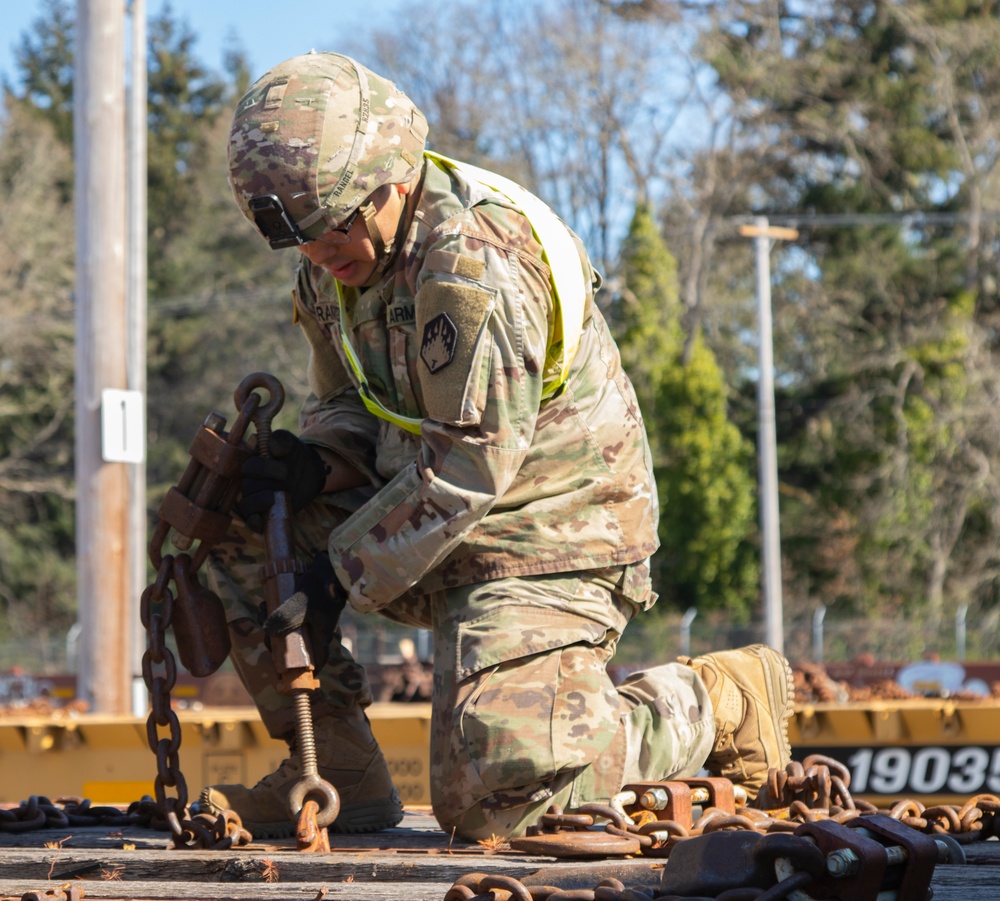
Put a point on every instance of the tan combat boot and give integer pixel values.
(347, 756)
(752, 691)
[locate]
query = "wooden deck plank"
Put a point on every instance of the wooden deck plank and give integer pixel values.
(167, 891)
(415, 861)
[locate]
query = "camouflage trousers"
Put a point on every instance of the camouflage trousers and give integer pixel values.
(524, 713)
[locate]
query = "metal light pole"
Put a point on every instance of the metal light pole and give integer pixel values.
(819, 615)
(686, 621)
(767, 452)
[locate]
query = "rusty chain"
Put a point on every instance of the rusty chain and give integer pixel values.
(796, 795)
(194, 516)
(200, 504)
(72, 892)
(39, 812)
(837, 862)
(652, 819)
(199, 509)
(494, 887)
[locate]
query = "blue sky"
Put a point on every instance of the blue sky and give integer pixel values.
(263, 28)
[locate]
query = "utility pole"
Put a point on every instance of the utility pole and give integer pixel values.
(109, 426)
(767, 446)
(135, 368)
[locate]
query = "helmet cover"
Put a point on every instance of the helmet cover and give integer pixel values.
(321, 132)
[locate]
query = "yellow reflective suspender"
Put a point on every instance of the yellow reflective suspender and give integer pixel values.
(372, 405)
(559, 251)
(568, 288)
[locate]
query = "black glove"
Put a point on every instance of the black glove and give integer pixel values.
(293, 467)
(315, 608)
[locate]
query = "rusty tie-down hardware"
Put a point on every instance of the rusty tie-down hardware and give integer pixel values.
(660, 815)
(813, 841)
(559, 834)
(73, 892)
(867, 858)
(198, 510)
(645, 816)
(291, 654)
(873, 857)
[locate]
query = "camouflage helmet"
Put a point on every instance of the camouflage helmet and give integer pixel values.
(313, 138)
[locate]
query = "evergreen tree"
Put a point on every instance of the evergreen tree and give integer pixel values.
(865, 111)
(220, 299)
(228, 311)
(44, 61)
(37, 574)
(701, 462)
(184, 102)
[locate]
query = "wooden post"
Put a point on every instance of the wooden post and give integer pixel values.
(102, 512)
(137, 124)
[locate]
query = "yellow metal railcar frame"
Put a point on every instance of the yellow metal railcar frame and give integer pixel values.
(108, 760)
(936, 751)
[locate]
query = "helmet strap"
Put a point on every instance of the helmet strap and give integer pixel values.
(384, 250)
(368, 212)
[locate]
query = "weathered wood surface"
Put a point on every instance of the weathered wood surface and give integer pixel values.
(414, 862)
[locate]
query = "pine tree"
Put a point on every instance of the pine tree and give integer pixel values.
(227, 313)
(37, 576)
(701, 462)
(44, 62)
(869, 113)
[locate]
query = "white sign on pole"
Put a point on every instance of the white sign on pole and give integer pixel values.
(123, 426)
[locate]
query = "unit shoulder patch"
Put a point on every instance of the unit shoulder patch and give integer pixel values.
(437, 347)
(452, 328)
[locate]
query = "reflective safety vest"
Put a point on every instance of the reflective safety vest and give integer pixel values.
(568, 289)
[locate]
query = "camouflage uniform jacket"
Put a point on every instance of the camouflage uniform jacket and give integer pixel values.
(499, 482)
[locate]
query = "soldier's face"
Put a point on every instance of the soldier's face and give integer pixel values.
(353, 263)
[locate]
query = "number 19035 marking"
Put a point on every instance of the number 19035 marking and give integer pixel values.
(960, 769)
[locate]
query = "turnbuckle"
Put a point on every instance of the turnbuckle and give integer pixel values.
(196, 515)
(291, 652)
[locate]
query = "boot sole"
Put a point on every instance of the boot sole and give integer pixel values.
(270, 830)
(357, 822)
(780, 682)
(278, 829)
(367, 818)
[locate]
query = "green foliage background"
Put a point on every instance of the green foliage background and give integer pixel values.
(871, 127)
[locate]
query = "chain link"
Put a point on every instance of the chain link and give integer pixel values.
(38, 812)
(194, 516)
(198, 509)
(816, 790)
(72, 892)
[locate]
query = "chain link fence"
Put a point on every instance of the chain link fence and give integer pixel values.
(816, 637)
(372, 639)
(649, 640)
